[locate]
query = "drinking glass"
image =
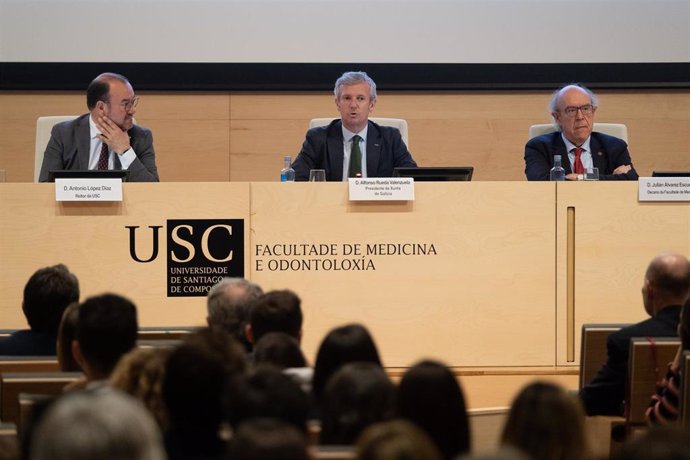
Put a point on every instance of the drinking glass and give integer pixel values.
(317, 175)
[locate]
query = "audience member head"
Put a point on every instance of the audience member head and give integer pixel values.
(666, 282)
(430, 396)
(112, 95)
(357, 396)
(267, 439)
(280, 350)
(670, 442)
(104, 424)
(355, 98)
(228, 306)
(275, 311)
(196, 375)
(396, 440)
(342, 345)
(267, 393)
(572, 108)
(106, 329)
(46, 295)
(546, 423)
(67, 333)
(140, 373)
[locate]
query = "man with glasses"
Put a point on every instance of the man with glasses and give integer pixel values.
(572, 108)
(104, 138)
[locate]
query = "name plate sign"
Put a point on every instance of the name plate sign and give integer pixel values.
(664, 189)
(381, 189)
(88, 189)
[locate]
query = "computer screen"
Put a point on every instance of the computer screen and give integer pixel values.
(88, 174)
(436, 173)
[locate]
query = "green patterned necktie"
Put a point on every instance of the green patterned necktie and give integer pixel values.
(355, 158)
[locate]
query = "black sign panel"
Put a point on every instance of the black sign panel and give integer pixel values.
(201, 252)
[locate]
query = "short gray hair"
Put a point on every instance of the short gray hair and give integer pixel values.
(353, 78)
(553, 103)
(104, 423)
(228, 304)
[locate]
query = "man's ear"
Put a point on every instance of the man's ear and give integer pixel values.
(249, 333)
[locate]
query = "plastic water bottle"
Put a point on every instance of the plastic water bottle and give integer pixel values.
(557, 172)
(287, 174)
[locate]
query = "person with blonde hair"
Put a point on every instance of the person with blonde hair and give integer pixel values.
(140, 373)
(395, 440)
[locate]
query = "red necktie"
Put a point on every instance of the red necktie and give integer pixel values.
(579, 169)
(103, 158)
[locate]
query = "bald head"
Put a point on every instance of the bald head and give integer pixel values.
(667, 282)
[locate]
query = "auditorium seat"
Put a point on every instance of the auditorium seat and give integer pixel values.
(44, 126)
(593, 351)
(44, 383)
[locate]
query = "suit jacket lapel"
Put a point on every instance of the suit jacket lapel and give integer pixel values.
(373, 150)
(559, 149)
(335, 152)
(83, 142)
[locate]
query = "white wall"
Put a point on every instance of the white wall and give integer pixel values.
(381, 31)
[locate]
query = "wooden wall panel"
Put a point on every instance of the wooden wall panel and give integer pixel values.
(243, 136)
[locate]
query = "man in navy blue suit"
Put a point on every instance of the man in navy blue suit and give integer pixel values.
(353, 146)
(572, 108)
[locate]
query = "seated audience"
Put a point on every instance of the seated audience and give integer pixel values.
(99, 424)
(67, 333)
(665, 404)
(396, 440)
(267, 393)
(572, 108)
(282, 351)
(275, 311)
(358, 395)
(429, 395)
(662, 443)
(228, 304)
(665, 288)
(267, 439)
(196, 375)
(546, 423)
(342, 345)
(140, 373)
(46, 296)
(106, 329)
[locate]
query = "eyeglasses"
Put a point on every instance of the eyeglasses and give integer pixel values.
(587, 110)
(128, 105)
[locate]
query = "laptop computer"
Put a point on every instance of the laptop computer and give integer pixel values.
(436, 173)
(88, 174)
(671, 174)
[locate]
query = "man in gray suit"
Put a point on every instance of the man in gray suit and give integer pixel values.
(104, 138)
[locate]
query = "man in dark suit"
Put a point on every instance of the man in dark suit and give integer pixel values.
(353, 146)
(104, 138)
(46, 296)
(572, 108)
(665, 289)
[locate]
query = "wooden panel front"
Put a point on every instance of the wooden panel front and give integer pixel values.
(93, 241)
(615, 239)
(485, 298)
